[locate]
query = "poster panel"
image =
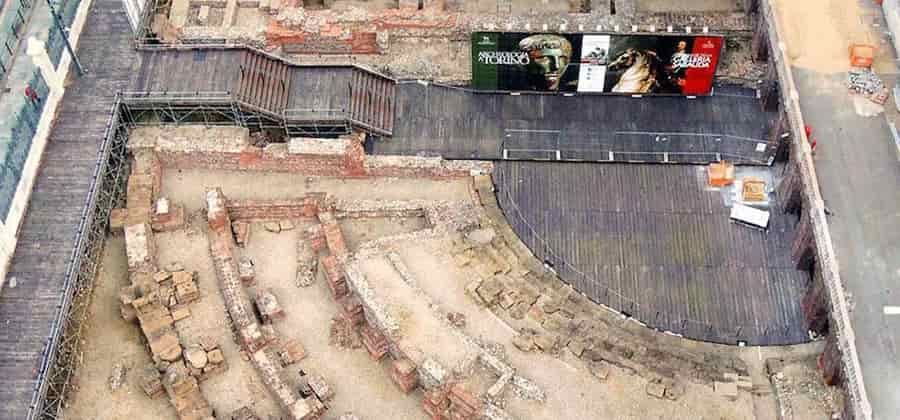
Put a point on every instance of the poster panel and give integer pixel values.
(645, 64)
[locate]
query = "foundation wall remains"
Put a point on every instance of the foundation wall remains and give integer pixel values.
(302, 208)
(229, 148)
(221, 246)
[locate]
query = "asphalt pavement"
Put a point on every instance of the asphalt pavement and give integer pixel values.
(858, 167)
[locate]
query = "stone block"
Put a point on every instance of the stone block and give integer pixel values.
(161, 276)
(151, 382)
(180, 313)
(403, 373)
(600, 370)
(243, 413)
(728, 390)
(286, 225)
(118, 218)
(489, 290)
(268, 306)
(577, 346)
(208, 343)
(273, 227)
(320, 387)
(292, 352)
(246, 272)
(182, 277)
(656, 389)
(196, 357)
(523, 342)
(241, 232)
(187, 292)
(215, 356)
(744, 383)
(546, 342)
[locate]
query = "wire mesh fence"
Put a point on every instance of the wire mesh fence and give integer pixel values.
(16, 143)
(56, 43)
(12, 29)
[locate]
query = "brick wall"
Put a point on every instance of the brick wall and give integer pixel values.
(302, 208)
(221, 246)
(353, 162)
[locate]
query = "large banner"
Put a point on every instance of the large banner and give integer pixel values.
(642, 64)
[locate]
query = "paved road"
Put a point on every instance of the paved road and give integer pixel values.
(859, 175)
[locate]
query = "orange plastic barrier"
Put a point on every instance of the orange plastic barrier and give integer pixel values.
(862, 55)
(720, 174)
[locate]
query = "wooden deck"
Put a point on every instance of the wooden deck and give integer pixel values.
(650, 241)
(47, 235)
(458, 124)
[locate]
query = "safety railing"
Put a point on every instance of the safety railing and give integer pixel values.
(308, 114)
(18, 135)
(635, 146)
(859, 404)
(73, 268)
(13, 17)
(602, 292)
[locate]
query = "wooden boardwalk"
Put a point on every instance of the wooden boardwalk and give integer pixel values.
(47, 235)
(649, 240)
(458, 124)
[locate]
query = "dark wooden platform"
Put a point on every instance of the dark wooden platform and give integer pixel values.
(651, 241)
(47, 235)
(459, 124)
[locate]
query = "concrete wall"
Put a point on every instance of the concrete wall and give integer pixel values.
(54, 78)
(892, 15)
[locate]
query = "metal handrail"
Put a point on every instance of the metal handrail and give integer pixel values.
(74, 265)
(540, 246)
(292, 114)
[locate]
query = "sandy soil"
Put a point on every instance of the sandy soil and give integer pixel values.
(806, 395)
(108, 339)
(818, 33)
(189, 187)
(361, 385)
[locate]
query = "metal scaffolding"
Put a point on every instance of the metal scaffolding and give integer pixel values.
(62, 353)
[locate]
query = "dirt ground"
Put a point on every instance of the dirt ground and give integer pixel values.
(361, 386)
(108, 339)
(801, 393)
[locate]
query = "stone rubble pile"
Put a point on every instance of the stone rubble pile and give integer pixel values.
(865, 82)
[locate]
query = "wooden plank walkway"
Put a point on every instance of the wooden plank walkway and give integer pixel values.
(650, 241)
(457, 124)
(47, 235)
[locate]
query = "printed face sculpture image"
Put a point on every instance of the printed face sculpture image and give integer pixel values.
(549, 55)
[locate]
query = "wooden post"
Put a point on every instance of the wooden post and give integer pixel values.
(768, 92)
(830, 361)
(759, 44)
(789, 191)
(804, 245)
(815, 305)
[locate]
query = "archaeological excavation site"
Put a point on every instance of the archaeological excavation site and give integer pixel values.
(422, 209)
